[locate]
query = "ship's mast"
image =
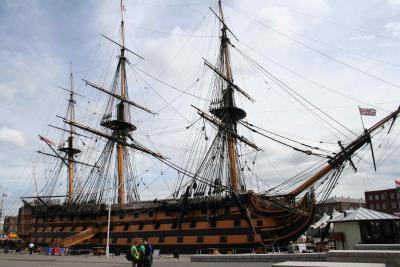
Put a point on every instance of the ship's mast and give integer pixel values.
(228, 103)
(121, 116)
(69, 148)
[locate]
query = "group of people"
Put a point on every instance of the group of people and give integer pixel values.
(141, 254)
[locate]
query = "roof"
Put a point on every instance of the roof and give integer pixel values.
(345, 199)
(363, 214)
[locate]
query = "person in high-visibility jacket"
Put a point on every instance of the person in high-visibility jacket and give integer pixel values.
(135, 253)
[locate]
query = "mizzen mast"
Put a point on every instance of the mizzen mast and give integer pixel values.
(69, 148)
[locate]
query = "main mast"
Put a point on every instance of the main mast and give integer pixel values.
(227, 110)
(121, 116)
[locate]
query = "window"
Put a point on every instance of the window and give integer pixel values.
(222, 239)
(378, 206)
(393, 205)
(141, 225)
(392, 195)
(192, 224)
(382, 196)
(372, 206)
(250, 238)
(376, 197)
(179, 239)
(236, 223)
(200, 239)
(213, 223)
(259, 223)
(383, 206)
(371, 197)
(161, 239)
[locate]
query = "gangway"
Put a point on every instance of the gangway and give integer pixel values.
(79, 237)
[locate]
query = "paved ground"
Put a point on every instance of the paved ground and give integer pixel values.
(23, 260)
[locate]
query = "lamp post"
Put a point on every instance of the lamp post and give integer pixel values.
(108, 230)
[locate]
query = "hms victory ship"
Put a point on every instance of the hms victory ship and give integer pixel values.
(213, 206)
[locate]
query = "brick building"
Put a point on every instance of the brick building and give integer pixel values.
(339, 204)
(383, 200)
(10, 224)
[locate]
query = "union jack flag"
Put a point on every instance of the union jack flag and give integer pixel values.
(367, 111)
(46, 140)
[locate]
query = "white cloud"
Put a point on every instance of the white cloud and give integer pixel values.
(362, 37)
(394, 3)
(12, 136)
(393, 28)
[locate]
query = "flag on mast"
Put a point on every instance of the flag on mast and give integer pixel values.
(46, 140)
(367, 111)
(397, 182)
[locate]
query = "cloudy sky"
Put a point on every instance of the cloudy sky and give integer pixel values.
(336, 54)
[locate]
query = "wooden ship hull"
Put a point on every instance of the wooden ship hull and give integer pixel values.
(207, 223)
(213, 208)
